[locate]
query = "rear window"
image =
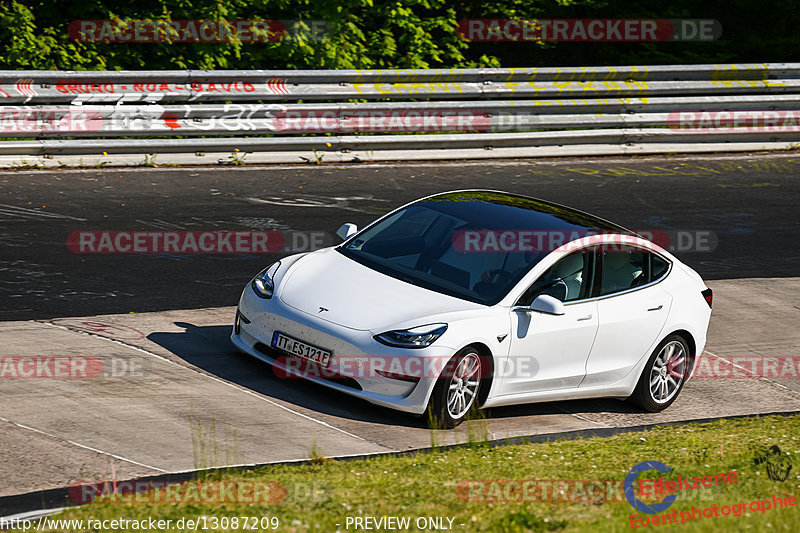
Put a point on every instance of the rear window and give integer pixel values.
(630, 267)
(660, 267)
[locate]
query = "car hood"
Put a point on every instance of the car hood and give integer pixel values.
(332, 287)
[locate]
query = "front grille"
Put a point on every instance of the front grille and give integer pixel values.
(345, 382)
(269, 351)
(399, 377)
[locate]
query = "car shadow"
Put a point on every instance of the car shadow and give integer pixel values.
(210, 349)
(571, 407)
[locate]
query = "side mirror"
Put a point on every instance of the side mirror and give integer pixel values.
(347, 231)
(547, 304)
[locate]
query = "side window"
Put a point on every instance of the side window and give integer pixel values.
(624, 269)
(659, 267)
(567, 280)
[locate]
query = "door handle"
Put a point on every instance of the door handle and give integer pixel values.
(656, 308)
(587, 317)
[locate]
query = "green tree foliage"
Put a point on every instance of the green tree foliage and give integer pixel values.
(361, 34)
(370, 34)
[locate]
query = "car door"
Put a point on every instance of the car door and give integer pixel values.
(548, 352)
(632, 308)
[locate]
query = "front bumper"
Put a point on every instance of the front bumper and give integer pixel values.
(353, 354)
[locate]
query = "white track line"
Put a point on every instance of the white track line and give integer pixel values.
(214, 378)
(78, 444)
(31, 515)
(24, 212)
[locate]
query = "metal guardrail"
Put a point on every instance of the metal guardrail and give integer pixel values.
(263, 111)
(353, 143)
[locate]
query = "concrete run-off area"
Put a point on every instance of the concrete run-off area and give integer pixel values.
(167, 392)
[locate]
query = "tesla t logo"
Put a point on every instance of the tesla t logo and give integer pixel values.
(321, 309)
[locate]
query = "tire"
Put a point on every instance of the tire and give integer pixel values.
(663, 376)
(454, 397)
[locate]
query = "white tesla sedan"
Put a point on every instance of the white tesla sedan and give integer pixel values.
(472, 299)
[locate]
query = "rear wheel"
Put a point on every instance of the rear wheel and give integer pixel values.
(456, 391)
(663, 376)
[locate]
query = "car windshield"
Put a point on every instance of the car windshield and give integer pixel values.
(446, 243)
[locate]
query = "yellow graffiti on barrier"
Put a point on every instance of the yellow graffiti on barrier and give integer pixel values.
(747, 83)
(568, 85)
(410, 88)
(755, 75)
(612, 85)
(575, 102)
(530, 72)
(577, 86)
(513, 85)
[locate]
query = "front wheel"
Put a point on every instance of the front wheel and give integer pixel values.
(663, 376)
(456, 390)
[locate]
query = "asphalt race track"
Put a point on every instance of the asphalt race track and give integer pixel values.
(183, 398)
(749, 203)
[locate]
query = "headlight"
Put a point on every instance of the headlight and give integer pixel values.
(419, 337)
(262, 284)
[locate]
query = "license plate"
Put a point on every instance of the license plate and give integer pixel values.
(300, 349)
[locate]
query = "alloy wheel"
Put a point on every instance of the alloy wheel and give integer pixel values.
(463, 386)
(668, 372)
